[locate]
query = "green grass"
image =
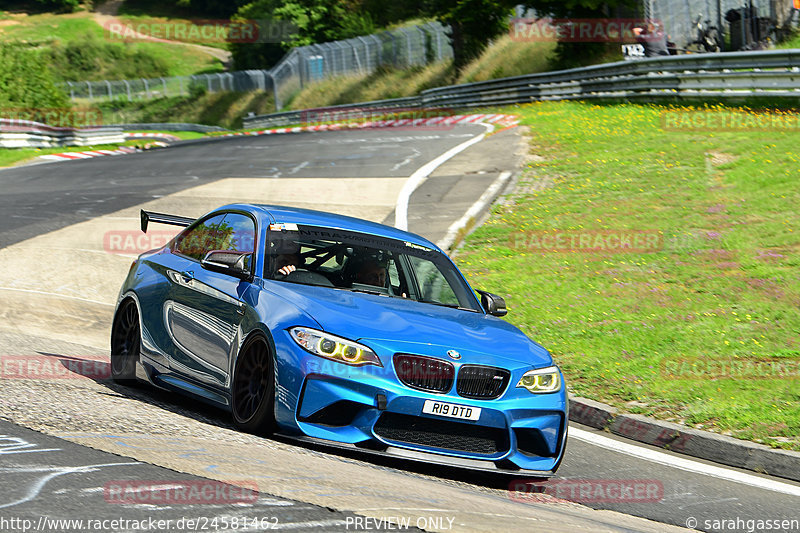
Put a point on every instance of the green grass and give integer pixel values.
(383, 83)
(47, 27)
(215, 109)
(506, 57)
(181, 60)
(109, 57)
(722, 287)
(503, 58)
(792, 42)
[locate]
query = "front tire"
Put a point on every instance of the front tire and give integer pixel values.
(253, 390)
(126, 343)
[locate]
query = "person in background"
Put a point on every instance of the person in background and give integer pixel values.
(653, 39)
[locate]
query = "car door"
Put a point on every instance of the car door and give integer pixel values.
(204, 308)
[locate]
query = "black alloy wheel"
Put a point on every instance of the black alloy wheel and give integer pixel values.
(253, 393)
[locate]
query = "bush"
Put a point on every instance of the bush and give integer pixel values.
(92, 59)
(197, 90)
(26, 81)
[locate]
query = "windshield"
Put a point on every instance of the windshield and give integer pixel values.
(360, 262)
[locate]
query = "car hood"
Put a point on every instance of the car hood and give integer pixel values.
(397, 324)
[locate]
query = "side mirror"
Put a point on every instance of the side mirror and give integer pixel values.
(236, 264)
(493, 304)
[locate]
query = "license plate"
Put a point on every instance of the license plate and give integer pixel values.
(451, 410)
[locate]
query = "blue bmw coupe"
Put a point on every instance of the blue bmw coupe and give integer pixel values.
(329, 328)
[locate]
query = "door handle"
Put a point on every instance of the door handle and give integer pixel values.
(187, 276)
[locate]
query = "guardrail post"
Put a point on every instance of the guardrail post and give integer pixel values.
(378, 51)
(164, 84)
(110, 95)
(394, 48)
(89, 86)
(128, 90)
(274, 83)
(71, 90)
(367, 56)
(146, 89)
(354, 48)
(407, 37)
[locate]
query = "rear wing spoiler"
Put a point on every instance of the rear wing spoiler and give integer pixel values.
(161, 218)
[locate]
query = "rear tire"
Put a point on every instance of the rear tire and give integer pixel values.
(126, 342)
(252, 389)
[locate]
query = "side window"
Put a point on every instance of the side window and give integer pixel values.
(198, 241)
(236, 233)
(394, 275)
(432, 283)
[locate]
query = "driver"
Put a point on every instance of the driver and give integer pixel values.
(287, 263)
(372, 273)
(286, 257)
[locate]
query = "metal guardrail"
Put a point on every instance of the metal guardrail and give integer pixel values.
(726, 76)
(328, 114)
(169, 126)
(25, 133)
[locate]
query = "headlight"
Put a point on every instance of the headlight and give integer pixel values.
(542, 381)
(334, 348)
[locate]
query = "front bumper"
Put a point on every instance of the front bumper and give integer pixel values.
(369, 408)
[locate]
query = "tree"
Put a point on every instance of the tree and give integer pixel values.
(26, 81)
(473, 24)
(575, 54)
(311, 21)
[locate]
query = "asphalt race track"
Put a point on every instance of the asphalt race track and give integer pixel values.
(69, 435)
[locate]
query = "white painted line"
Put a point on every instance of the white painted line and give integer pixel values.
(486, 198)
(414, 181)
(37, 487)
(681, 463)
(57, 295)
(301, 166)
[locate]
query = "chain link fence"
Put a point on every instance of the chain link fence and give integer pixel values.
(402, 47)
(744, 22)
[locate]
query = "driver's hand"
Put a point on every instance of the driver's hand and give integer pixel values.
(288, 269)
